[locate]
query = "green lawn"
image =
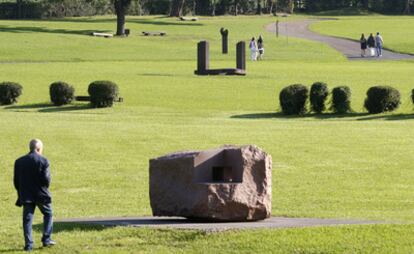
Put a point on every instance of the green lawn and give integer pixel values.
(397, 31)
(356, 166)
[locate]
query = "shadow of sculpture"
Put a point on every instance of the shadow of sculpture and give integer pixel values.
(351, 116)
(157, 21)
(48, 108)
(35, 29)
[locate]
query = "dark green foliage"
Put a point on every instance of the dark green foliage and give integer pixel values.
(318, 95)
(9, 92)
(61, 93)
(103, 93)
(293, 99)
(382, 99)
(341, 100)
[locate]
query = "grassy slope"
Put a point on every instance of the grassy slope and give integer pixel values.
(398, 32)
(352, 167)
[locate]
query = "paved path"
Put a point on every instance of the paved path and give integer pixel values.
(349, 48)
(181, 223)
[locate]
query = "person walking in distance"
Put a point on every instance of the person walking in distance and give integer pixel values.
(260, 47)
(379, 42)
(253, 49)
(32, 180)
(371, 45)
(363, 42)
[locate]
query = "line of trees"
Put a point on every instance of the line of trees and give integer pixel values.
(235, 7)
(176, 8)
(61, 8)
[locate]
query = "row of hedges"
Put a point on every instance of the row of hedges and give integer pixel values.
(293, 99)
(102, 93)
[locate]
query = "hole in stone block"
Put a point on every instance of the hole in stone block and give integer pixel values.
(222, 174)
(219, 166)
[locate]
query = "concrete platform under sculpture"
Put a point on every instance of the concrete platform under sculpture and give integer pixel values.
(226, 184)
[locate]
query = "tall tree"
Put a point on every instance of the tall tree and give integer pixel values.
(121, 7)
(176, 8)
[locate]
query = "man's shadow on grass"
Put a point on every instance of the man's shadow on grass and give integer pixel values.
(48, 108)
(59, 227)
(351, 116)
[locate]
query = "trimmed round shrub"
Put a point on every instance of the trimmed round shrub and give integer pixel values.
(412, 95)
(341, 100)
(9, 92)
(293, 99)
(103, 93)
(318, 95)
(61, 93)
(382, 99)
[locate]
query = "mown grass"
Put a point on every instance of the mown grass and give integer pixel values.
(396, 31)
(352, 166)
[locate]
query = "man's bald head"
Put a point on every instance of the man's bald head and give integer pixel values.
(36, 145)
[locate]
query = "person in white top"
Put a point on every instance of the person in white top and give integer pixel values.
(379, 42)
(253, 49)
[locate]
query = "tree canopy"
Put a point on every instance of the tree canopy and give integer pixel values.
(63, 8)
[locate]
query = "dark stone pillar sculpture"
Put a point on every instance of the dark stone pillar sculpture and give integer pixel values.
(203, 58)
(241, 55)
(224, 40)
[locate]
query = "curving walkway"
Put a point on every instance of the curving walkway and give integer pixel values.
(351, 49)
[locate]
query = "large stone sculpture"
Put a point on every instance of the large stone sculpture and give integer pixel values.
(203, 61)
(226, 184)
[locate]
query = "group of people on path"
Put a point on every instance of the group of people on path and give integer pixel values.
(256, 49)
(373, 44)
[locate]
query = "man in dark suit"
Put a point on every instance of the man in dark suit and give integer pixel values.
(32, 180)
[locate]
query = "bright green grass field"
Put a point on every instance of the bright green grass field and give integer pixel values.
(356, 166)
(397, 32)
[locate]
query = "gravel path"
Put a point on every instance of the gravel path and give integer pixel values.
(351, 49)
(181, 223)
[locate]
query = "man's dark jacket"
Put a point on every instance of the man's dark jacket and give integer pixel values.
(32, 179)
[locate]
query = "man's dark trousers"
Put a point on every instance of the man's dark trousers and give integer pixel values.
(28, 212)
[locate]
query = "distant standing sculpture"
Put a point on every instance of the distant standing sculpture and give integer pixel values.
(224, 40)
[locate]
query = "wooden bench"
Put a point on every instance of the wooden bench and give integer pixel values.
(188, 18)
(154, 33)
(105, 35)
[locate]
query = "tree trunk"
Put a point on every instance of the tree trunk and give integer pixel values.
(19, 9)
(236, 4)
(120, 23)
(291, 6)
(270, 5)
(407, 7)
(120, 11)
(176, 8)
(365, 4)
(259, 7)
(213, 8)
